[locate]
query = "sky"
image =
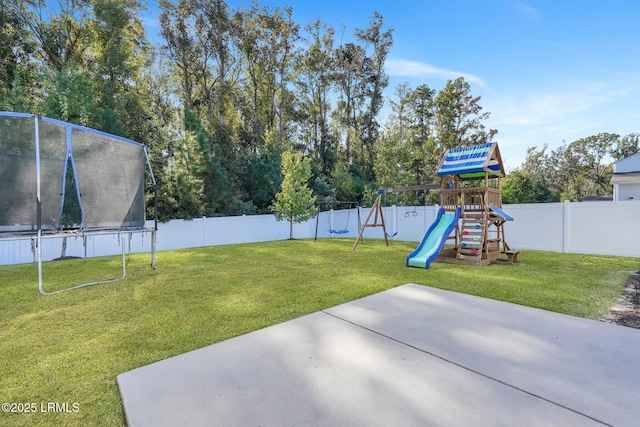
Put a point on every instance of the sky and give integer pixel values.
(548, 71)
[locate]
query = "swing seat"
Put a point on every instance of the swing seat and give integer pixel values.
(338, 231)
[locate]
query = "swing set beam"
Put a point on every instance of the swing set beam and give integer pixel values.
(410, 188)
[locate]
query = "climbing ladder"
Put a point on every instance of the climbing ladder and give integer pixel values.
(472, 237)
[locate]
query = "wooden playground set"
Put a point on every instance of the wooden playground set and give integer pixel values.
(470, 199)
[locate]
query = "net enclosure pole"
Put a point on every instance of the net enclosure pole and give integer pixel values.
(155, 209)
(38, 204)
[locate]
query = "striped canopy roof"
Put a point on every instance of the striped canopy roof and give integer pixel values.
(472, 162)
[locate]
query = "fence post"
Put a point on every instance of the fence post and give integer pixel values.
(243, 229)
(204, 231)
(566, 224)
(331, 227)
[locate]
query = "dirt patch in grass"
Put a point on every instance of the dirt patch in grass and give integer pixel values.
(626, 311)
(66, 258)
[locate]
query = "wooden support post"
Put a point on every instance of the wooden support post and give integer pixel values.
(377, 208)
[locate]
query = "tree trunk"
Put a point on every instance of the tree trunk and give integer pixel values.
(291, 228)
(63, 252)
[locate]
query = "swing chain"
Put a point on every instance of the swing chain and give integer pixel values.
(415, 204)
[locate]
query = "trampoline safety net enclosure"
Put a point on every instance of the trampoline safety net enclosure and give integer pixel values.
(60, 179)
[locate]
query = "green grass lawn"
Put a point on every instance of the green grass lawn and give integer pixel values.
(69, 347)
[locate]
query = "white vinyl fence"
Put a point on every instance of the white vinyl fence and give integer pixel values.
(607, 228)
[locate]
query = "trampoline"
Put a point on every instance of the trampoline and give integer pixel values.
(61, 179)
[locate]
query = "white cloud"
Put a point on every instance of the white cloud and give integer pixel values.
(528, 11)
(577, 100)
(407, 68)
(534, 116)
(150, 22)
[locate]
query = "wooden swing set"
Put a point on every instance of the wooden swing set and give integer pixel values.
(377, 211)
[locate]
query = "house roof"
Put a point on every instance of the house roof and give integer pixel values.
(472, 162)
(628, 164)
(626, 178)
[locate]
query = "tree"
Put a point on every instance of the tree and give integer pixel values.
(176, 23)
(535, 181)
(458, 117)
(314, 81)
(393, 164)
(267, 41)
(119, 52)
(214, 28)
(263, 175)
(295, 203)
(69, 95)
(522, 187)
(425, 158)
(349, 62)
(216, 183)
(63, 38)
(17, 65)
(348, 186)
(183, 192)
(374, 81)
(626, 146)
(423, 125)
(591, 152)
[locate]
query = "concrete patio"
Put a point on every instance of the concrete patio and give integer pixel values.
(409, 356)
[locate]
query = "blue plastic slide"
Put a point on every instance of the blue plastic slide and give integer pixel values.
(434, 239)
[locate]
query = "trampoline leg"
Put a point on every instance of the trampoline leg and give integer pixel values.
(124, 261)
(153, 250)
(124, 273)
(39, 255)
